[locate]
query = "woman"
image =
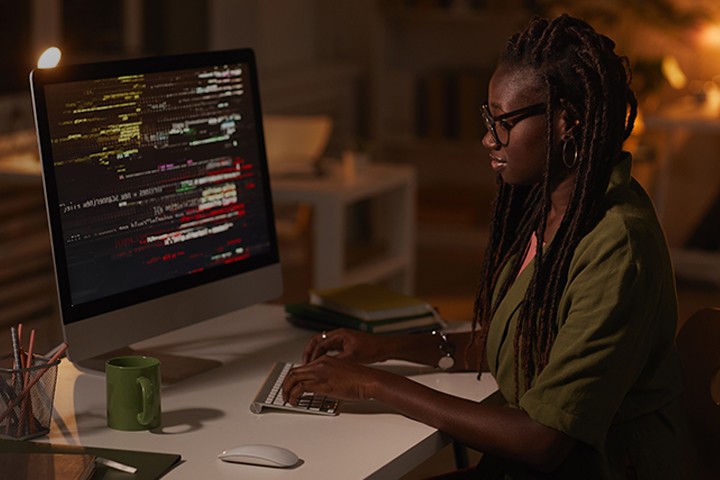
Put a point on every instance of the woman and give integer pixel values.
(576, 310)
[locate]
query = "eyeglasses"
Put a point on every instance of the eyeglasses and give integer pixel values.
(502, 135)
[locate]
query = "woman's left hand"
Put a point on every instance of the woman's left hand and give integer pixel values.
(331, 376)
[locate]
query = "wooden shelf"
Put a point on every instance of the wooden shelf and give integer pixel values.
(27, 288)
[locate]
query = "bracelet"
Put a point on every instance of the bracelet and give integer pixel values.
(448, 350)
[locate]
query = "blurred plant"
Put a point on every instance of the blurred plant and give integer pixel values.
(627, 22)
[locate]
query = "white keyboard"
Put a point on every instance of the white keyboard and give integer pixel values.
(270, 396)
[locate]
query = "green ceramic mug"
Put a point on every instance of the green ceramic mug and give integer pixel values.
(133, 392)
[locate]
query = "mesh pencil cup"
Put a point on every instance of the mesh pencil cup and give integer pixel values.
(26, 398)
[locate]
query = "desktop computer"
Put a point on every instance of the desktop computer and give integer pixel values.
(158, 195)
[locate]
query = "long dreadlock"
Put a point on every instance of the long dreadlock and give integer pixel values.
(584, 77)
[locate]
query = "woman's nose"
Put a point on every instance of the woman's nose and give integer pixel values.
(489, 141)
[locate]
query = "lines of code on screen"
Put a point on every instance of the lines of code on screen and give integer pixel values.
(157, 177)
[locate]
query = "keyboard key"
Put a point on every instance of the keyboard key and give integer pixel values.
(270, 395)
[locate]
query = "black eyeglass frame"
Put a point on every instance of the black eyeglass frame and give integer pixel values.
(517, 115)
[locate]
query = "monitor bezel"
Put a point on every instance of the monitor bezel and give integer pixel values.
(186, 299)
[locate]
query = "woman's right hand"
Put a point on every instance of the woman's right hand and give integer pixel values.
(352, 345)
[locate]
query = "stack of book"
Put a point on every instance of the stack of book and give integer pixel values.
(366, 307)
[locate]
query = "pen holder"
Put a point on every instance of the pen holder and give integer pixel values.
(26, 398)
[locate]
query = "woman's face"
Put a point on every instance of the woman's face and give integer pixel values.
(520, 158)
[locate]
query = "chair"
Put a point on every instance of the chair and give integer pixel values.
(698, 344)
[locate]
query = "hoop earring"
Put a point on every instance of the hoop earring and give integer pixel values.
(573, 162)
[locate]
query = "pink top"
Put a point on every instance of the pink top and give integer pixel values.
(532, 250)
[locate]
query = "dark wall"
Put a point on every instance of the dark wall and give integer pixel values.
(16, 57)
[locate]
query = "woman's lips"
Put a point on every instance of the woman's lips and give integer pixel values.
(497, 164)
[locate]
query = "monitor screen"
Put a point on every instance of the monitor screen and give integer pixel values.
(157, 191)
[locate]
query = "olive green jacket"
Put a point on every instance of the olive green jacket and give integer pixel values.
(613, 380)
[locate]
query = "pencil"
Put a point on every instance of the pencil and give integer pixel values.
(31, 348)
(26, 411)
(27, 388)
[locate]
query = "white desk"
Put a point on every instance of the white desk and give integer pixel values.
(392, 188)
(206, 414)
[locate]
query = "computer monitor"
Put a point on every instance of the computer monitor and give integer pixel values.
(158, 196)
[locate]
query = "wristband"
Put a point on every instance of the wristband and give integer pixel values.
(447, 361)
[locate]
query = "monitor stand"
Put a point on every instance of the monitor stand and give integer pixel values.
(173, 368)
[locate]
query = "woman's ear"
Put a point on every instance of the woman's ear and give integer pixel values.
(567, 124)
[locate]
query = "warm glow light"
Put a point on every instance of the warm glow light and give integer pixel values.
(712, 97)
(639, 127)
(49, 58)
(709, 35)
(673, 73)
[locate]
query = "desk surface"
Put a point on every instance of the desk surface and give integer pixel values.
(208, 413)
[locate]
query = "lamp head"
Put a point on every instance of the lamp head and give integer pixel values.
(49, 58)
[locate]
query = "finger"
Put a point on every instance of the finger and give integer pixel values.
(309, 350)
(295, 384)
(294, 394)
(314, 348)
(290, 383)
(322, 344)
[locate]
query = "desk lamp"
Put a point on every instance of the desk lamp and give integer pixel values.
(50, 58)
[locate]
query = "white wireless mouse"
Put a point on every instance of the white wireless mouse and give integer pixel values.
(260, 454)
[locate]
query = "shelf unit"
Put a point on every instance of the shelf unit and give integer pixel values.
(431, 67)
(389, 192)
(430, 73)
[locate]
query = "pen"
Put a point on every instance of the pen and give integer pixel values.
(16, 355)
(106, 462)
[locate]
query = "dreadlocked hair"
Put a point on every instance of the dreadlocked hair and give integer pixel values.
(582, 76)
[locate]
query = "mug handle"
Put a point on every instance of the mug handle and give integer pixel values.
(149, 401)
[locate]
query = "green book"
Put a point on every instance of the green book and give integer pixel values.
(150, 465)
(306, 314)
(370, 302)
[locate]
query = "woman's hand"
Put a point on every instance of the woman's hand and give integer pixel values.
(347, 344)
(332, 376)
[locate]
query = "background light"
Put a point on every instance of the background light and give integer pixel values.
(49, 58)
(709, 35)
(673, 73)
